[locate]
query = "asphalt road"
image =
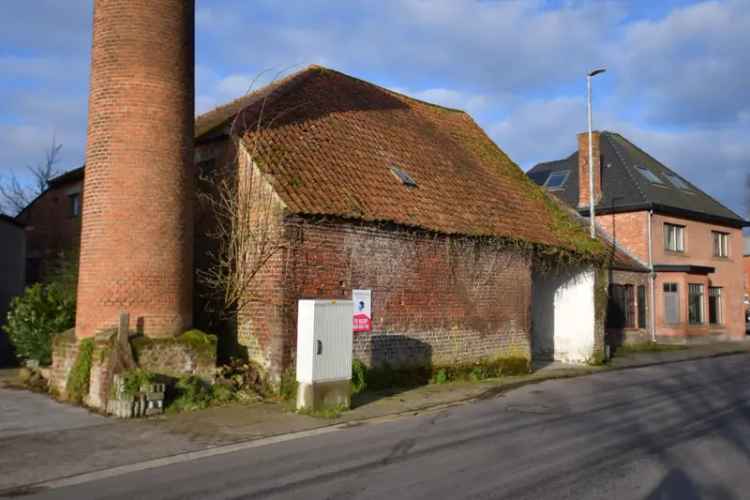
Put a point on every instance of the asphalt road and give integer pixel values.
(678, 431)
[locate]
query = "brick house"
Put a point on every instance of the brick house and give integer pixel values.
(53, 224)
(692, 243)
(374, 190)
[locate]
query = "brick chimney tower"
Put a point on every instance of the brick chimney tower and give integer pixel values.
(583, 168)
(137, 229)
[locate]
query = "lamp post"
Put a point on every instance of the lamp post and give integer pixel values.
(590, 75)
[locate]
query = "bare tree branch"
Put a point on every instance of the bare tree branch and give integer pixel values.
(14, 196)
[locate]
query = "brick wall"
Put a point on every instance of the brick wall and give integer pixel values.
(583, 168)
(136, 238)
(629, 230)
(52, 229)
(435, 299)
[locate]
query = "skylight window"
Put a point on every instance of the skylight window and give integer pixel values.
(649, 175)
(556, 180)
(405, 178)
(678, 182)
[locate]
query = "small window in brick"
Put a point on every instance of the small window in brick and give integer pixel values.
(404, 177)
(674, 237)
(695, 304)
(671, 303)
(74, 201)
(620, 310)
(715, 306)
(721, 244)
(641, 306)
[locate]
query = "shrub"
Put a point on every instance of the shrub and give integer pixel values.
(441, 377)
(35, 316)
(77, 384)
(133, 380)
(288, 384)
(193, 393)
(359, 377)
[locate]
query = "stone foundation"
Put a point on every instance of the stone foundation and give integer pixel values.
(176, 357)
(64, 353)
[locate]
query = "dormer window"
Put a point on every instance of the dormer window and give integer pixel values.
(405, 178)
(556, 180)
(649, 175)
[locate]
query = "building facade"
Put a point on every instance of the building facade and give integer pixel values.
(12, 258)
(690, 242)
(53, 225)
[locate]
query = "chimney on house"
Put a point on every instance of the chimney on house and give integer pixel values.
(583, 168)
(137, 229)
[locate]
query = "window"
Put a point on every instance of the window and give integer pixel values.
(405, 178)
(641, 306)
(695, 304)
(715, 306)
(671, 303)
(556, 180)
(75, 204)
(721, 244)
(678, 182)
(649, 175)
(674, 237)
(620, 309)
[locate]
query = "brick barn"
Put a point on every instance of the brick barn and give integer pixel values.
(370, 189)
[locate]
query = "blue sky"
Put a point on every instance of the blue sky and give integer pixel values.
(677, 82)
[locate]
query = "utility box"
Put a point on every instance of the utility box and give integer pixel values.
(324, 353)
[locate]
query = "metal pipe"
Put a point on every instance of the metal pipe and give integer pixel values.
(592, 215)
(652, 278)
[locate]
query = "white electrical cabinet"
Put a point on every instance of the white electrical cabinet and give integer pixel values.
(324, 341)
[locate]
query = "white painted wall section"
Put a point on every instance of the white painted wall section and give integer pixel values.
(563, 315)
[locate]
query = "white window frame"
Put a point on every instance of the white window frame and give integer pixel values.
(702, 308)
(564, 174)
(722, 248)
(674, 237)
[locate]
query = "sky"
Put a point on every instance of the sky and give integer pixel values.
(677, 81)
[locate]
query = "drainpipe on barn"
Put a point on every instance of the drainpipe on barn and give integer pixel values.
(652, 280)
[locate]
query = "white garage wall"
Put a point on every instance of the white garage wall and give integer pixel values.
(563, 312)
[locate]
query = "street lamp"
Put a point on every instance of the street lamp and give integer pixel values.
(591, 153)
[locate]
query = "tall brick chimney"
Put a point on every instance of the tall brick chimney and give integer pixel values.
(136, 238)
(583, 168)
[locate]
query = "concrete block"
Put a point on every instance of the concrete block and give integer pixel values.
(322, 395)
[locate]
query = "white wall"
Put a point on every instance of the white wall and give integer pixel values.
(563, 312)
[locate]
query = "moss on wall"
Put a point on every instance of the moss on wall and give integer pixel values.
(191, 353)
(77, 385)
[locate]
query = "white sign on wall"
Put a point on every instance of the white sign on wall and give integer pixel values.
(362, 310)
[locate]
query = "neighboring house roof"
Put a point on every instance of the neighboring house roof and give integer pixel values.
(618, 257)
(74, 175)
(334, 145)
(625, 186)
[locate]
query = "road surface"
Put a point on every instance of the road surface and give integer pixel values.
(677, 431)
